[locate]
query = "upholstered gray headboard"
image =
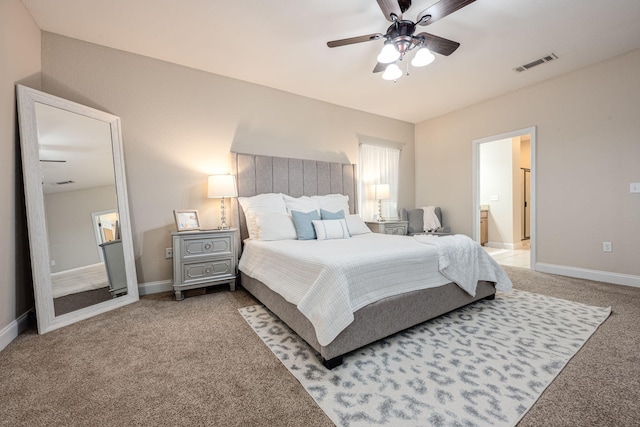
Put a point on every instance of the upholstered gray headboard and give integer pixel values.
(256, 174)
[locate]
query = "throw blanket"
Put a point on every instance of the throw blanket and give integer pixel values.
(430, 219)
(464, 262)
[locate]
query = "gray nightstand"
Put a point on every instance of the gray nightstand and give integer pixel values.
(389, 227)
(203, 258)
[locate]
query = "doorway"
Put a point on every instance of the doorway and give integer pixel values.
(511, 207)
(106, 228)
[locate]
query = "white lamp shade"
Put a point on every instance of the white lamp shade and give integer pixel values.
(423, 57)
(388, 54)
(393, 72)
(221, 186)
(381, 192)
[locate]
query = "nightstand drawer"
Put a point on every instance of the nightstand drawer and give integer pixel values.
(199, 247)
(207, 271)
(396, 229)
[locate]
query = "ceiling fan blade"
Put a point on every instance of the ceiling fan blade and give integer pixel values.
(438, 44)
(353, 40)
(440, 10)
(391, 9)
(380, 67)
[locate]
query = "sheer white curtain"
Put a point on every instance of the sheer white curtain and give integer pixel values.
(378, 165)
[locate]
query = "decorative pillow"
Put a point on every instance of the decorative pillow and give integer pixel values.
(304, 225)
(275, 226)
(333, 202)
(259, 205)
(415, 217)
(331, 215)
(301, 204)
(331, 229)
(356, 225)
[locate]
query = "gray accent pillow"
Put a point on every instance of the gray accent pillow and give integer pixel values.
(304, 225)
(415, 218)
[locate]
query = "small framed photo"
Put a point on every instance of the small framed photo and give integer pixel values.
(187, 220)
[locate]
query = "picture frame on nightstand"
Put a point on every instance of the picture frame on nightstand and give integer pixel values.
(187, 220)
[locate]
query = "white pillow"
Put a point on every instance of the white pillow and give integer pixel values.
(331, 229)
(275, 226)
(260, 204)
(356, 225)
(302, 204)
(333, 202)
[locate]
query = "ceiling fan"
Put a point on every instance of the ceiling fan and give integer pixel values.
(400, 37)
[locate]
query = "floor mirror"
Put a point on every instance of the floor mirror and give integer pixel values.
(77, 212)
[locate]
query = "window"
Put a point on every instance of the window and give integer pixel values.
(378, 165)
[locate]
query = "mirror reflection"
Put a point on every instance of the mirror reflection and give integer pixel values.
(80, 203)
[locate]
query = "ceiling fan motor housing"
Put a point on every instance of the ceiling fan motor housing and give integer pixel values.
(401, 35)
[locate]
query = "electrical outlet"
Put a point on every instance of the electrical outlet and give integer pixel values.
(168, 253)
(606, 246)
(634, 187)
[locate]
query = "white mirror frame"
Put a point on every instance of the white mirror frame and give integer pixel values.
(34, 198)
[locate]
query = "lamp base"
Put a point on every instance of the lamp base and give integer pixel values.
(380, 218)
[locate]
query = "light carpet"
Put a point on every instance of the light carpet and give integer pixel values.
(484, 364)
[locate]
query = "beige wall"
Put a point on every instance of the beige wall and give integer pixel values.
(179, 125)
(19, 62)
(588, 151)
(496, 171)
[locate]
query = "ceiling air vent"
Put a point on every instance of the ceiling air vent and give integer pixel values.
(525, 67)
(62, 182)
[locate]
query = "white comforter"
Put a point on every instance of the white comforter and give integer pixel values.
(330, 280)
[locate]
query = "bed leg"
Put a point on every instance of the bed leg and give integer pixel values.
(332, 363)
(490, 297)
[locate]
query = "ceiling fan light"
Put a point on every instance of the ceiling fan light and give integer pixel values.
(392, 72)
(388, 54)
(423, 57)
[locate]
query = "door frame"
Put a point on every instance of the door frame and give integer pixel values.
(96, 228)
(475, 192)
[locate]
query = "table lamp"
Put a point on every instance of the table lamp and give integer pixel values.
(221, 186)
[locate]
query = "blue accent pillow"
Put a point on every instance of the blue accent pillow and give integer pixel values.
(304, 225)
(331, 215)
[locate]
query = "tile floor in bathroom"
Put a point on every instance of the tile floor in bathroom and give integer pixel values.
(514, 258)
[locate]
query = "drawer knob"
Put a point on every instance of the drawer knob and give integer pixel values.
(207, 246)
(208, 270)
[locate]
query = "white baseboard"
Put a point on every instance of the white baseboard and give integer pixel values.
(583, 273)
(13, 329)
(509, 246)
(155, 287)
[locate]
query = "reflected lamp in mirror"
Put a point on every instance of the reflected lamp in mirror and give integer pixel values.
(221, 186)
(381, 192)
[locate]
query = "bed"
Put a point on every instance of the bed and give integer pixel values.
(263, 175)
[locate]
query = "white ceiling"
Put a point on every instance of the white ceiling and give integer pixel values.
(282, 44)
(73, 148)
